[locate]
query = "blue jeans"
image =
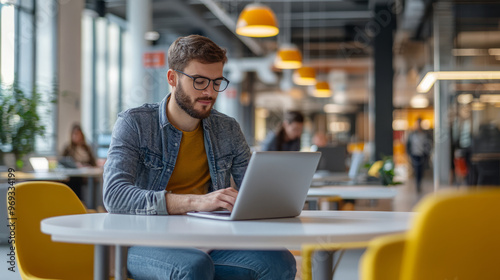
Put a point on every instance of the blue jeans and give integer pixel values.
(418, 163)
(189, 263)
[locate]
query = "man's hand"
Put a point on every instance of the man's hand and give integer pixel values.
(224, 198)
(183, 203)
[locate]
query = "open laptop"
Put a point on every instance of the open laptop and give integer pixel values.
(67, 162)
(38, 164)
(353, 177)
(333, 159)
(275, 186)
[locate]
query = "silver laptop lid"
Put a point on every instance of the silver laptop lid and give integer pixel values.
(275, 185)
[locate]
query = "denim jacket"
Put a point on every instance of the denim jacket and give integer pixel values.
(143, 152)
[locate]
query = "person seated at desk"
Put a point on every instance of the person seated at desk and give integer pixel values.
(81, 155)
(287, 136)
(179, 155)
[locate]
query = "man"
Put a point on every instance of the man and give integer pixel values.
(178, 156)
(418, 148)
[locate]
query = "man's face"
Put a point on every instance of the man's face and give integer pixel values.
(197, 103)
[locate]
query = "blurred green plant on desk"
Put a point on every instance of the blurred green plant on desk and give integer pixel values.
(383, 169)
(20, 120)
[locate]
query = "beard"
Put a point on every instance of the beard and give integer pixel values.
(184, 102)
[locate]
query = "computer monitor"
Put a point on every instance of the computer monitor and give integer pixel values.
(333, 158)
(357, 159)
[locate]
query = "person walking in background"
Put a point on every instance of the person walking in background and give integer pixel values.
(418, 148)
(287, 136)
(80, 155)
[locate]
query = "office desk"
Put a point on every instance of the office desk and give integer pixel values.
(62, 175)
(91, 173)
(104, 230)
(34, 176)
(349, 192)
(354, 192)
(88, 172)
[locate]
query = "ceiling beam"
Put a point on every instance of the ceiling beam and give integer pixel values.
(195, 19)
(231, 25)
(314, 16)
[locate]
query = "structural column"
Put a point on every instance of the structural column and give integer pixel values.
(69, 72)
(443, 42)
(141, 83)
(382, 27)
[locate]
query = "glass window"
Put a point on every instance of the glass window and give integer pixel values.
(46, 70)
(87, 72)
(26, 47)
(101, 80)
(7, 49)
(103, 65)
(28, 57)
(113, 74)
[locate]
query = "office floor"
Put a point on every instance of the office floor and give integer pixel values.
(348, 267)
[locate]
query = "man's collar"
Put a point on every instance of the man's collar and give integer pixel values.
(163, 113)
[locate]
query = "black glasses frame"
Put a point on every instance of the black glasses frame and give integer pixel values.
(209, 81)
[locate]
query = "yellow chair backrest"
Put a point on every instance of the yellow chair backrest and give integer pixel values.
(456, 236)
(37, 256)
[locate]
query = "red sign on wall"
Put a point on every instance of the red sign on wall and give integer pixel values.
(154, 59)
(231, 92)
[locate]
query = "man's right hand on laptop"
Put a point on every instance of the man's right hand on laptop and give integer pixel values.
(183, 203)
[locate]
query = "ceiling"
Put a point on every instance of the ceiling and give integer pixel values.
(327, 24)
(325, 30)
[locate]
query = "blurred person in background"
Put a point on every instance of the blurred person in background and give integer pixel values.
(418, 148)
(287, 136)
(77, 154)
(319, 140)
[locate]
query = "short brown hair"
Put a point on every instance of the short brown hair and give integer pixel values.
(194, 47)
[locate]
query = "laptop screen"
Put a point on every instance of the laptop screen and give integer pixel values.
(39, 164)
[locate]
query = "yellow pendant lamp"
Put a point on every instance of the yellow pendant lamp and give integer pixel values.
(257, 20)
(288, 57)
(304, 76)
(322, 90)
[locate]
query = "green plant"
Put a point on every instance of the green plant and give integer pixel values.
(20, 121)
(384, 169)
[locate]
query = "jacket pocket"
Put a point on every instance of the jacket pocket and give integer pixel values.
(152, 161)
(153, 168)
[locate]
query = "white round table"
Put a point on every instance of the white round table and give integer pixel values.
(103, 230)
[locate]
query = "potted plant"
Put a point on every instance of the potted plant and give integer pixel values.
(20, 121)
(384, 170)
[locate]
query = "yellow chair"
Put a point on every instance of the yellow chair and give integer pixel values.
(37, 256)
(455, 236)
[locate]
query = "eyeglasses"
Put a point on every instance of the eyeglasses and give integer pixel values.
(201, 83)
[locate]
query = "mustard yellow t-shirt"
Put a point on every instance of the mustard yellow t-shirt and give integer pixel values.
(191, 174)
